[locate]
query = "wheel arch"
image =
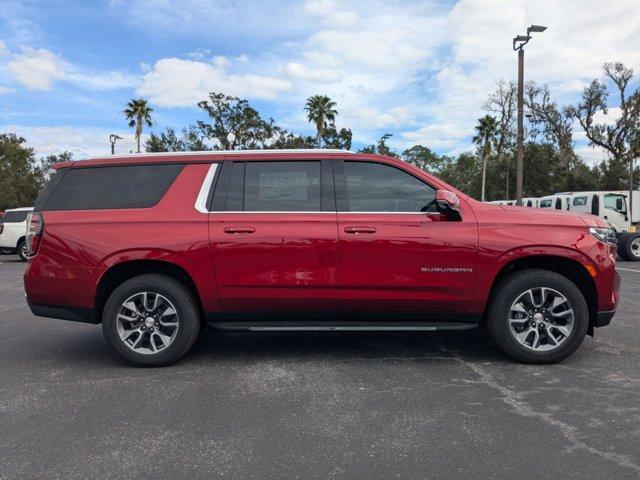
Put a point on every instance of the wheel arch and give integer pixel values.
(20, 239)
(569, 268)
(123, 271)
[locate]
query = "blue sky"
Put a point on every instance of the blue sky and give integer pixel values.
(420, 70)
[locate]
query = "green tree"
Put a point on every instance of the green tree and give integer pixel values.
(321, 111)
(424, 158)
(485, 138)
(191, 140)
(235, 124)
(22, 176)
(138, 112)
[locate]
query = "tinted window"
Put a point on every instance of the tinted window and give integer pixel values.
(579, 201)
(48, 188)
(374, 187)
(282, 186)
(130, 186)
(17, 217)
(545, 203)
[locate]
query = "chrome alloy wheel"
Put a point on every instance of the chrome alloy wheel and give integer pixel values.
(541, 319)
(147, 323)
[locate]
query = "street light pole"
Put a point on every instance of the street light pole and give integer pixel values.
(518, 44)
(112, 141)
(520, 151)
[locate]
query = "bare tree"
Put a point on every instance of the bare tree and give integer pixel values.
(503, 105)
(617, 138)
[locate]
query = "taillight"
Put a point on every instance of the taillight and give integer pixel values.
(35, 228)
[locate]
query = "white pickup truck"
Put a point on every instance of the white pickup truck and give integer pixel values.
(12, 232)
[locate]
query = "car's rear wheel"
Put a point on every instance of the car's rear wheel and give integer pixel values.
(537, 316)
(22, 250)
(151, 320)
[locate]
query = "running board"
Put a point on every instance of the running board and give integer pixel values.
(341, 326)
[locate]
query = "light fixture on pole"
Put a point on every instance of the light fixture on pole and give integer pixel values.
(519, 41)
(112, 140)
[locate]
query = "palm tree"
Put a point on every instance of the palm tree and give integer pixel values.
(485, 137)
(138, 112)
(320, 110)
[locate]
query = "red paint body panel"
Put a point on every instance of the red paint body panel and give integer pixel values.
(310, 261)
(288, 263)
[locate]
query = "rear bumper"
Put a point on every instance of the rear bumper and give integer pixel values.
(604, 318)
(74, 314)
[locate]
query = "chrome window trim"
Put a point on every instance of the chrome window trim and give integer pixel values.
(203, 194)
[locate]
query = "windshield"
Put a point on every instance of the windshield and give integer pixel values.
(616, 202)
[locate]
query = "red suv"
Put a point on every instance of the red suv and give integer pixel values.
(154, 246)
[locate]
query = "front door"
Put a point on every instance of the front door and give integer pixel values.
(274, 237)
(396, 252)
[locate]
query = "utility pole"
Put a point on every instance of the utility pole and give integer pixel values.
(521, 41)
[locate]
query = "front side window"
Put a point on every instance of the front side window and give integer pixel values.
(282, 187)
(113, 187)
(616, 202)
(375, 187)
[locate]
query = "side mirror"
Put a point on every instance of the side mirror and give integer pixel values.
(448, 204)
(619, 204)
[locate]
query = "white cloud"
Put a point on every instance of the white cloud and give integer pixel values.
(36, 69)
(304, 72)
(174, 82)
(81, 141)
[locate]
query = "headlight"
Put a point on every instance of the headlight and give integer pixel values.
(605, 235)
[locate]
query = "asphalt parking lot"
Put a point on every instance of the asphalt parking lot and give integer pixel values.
(306, 405)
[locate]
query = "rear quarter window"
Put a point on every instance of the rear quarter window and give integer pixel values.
(14, 217)
(113, 187)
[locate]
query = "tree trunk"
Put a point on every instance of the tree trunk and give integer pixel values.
(484, 174)
(138, 133)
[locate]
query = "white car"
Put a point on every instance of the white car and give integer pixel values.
(12, 231)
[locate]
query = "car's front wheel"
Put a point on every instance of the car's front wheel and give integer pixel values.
(537, 316)
(151, 320)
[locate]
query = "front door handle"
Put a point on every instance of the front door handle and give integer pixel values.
(233, 230)
(360, 229)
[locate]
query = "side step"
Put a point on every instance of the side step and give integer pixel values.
(342, 326)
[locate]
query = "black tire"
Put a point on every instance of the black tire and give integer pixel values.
(187, 311)
(21, 250)
(630, 247)
(509, 290)
(622, 252)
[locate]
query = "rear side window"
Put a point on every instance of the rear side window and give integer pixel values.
(15, 217)
(126, 186)
(374, 187)
(545, 203)
(281, 186)
(579, 201)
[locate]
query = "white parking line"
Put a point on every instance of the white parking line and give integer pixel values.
(628, 270)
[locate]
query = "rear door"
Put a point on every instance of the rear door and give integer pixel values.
(397, 253)
(273, 235)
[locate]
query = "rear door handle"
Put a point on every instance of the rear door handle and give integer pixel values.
(233, 230)
(360, 229)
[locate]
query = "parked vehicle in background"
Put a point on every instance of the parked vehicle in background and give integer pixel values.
(613, 206)
(530, 202)
(12, 232)
(154, 245)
